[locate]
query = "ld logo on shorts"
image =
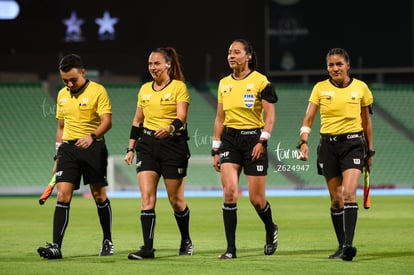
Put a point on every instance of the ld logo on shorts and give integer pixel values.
(248, 100)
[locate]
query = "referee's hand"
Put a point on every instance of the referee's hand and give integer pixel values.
(216, 163)
(163, 132)
(129, 157)
(84, 142)
(258, 152)
(304, 152)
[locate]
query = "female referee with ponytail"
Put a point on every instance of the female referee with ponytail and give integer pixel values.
(159, 137)
(240, 139)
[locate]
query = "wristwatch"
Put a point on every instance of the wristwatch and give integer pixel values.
(130, 150)
(93, 137)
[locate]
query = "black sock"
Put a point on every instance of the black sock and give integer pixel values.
(337, 217)
(266, 216)
(60, 222)
(183, 222)
(148, 226)
(350, 220)
(105, 218)
(230, 224)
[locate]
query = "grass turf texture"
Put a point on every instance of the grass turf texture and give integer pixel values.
(384, 238)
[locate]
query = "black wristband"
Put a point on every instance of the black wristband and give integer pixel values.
(177, 123)
(93, 137)
(263, 142)
(130, 150)
(301, 142)
(214, 152)
(136, 132)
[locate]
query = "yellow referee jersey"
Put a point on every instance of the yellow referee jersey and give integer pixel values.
(82, 111)
(240, 99)
(160, 107)
(340, 108)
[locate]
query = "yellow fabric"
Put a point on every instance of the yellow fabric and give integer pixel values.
(240, 98)
(160, 107)
(340, 108)
(81, 112)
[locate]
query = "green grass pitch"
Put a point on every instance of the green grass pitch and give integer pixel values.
(384, 238)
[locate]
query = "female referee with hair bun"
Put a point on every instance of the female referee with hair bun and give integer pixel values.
(240, 140)
(345, 143)
(159, 136)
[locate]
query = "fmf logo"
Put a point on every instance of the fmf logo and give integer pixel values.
(224, 154)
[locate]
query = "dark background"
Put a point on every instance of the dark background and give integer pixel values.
(377, 34)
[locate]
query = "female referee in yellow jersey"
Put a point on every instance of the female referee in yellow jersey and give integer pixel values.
(240, 140)
(345, 143)
(159, 136)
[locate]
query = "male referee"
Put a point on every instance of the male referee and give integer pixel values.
(84, 115)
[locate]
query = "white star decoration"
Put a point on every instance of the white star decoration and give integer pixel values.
(106, 27)
(106, 24)
(73, 24)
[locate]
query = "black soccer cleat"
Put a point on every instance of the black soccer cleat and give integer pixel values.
(271, 241)
(186, 248)
(142, 254)
(337, 254)
(348, 252)
(51, 251)
(227, 255)
(107, 248)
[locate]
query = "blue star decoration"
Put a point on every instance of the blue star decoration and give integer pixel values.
(73, 28)
(106, 26)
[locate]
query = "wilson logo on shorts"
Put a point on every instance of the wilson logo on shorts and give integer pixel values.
(357, 161)
(259, 168)
(248, 100)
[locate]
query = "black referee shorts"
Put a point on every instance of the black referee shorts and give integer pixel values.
(91, 163)
(339, 153)
(167, 157)
(237, 146)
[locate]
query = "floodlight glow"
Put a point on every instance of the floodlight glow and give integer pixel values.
(9, 9)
